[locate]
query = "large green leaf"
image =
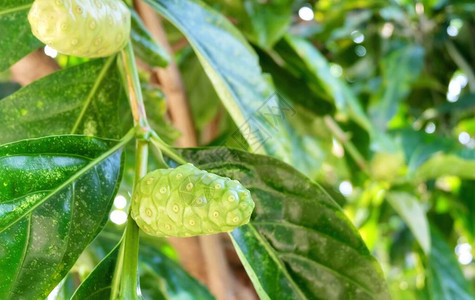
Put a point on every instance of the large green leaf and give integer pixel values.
(16, 39)
(233, 68)
(81, 100)
(400, 69)
(55, 195)
(445, 279)
(160, 277)
(299, 244)
(409, 208)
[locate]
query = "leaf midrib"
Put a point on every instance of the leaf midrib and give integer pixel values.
(338, 274)
(279, 263)
(92, 92)
(15, 9)
(286, 223)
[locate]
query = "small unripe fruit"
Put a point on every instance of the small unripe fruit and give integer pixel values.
(85, 28)
(187, 201)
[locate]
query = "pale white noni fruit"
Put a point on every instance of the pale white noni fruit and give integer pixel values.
(84, 28)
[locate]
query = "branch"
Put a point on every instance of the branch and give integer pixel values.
(170, 79)
(32, 67)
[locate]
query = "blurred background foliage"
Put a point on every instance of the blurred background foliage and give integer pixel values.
(382, 97)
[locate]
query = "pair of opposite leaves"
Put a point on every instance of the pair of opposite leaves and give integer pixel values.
(184, 201)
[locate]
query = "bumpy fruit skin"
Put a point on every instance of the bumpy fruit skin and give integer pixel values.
(85, 28)
(187, 201)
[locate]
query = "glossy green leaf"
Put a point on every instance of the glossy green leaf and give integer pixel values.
(16, 39)
(409, 208)
(263, 22)
(299, 244)
(400, 69)
(55, 195)
(233, 68)
(445, 279)
(145, 46)
(80, 100)
(98, 284)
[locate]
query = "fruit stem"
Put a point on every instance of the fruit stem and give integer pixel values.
(162, 146)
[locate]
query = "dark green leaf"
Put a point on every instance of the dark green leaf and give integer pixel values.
(145, 46)
(55, 195)
(299, 244)
(98, 284)
(16, 39)
(446, 280)
(81, 100)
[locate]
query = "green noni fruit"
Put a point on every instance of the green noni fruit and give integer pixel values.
(187, 201)
(85, 28)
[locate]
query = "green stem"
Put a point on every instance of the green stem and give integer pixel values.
(161, 145)
(124, 283)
